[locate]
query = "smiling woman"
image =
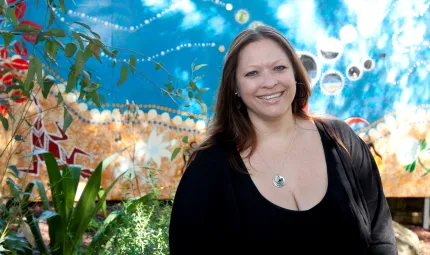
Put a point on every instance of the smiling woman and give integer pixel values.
(272, 178)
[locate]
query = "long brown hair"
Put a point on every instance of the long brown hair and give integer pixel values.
(231, 123)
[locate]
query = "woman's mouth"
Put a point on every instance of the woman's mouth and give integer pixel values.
(273, 96)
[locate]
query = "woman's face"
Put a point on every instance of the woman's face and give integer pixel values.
(265, 80)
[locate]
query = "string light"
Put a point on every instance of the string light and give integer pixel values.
(168, 50)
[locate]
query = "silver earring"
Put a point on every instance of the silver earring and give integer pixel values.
(236, 94)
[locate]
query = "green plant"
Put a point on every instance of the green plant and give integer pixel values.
(141, 231)
(68, 222)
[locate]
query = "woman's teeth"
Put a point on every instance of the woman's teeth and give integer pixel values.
(271, 96)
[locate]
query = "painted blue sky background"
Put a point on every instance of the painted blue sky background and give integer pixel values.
(394, 36)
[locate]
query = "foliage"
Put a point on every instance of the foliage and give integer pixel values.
(68, 222)
(142, 231)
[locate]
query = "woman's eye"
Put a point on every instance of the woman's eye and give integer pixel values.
(280, 68)
(251, 73)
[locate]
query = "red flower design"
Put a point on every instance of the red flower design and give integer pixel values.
(21, 98)
(18, 48)
(30, 37)
(3, 110)
(20, 10)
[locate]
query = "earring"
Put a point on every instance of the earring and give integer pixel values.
(236, 94)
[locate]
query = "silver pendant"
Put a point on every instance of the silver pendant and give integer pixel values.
(279, 181)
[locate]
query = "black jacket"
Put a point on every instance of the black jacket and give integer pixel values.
(203, 219)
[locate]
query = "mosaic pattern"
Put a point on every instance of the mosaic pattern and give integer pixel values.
(368, 62)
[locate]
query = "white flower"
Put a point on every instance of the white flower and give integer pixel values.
(408, 150)
(154, 149)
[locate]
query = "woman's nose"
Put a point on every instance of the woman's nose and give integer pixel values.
(269, 81)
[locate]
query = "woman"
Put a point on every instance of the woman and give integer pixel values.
(271, 178)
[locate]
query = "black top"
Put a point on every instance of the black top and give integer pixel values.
(318, 230)
(218, 210)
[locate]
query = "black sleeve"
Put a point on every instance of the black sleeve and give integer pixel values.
(383, 241)
(193, 217)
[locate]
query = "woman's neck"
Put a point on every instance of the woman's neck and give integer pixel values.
(275, 129)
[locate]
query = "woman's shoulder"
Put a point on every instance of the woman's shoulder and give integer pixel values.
(208, 160)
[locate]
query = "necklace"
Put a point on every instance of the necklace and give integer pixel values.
(279, 180)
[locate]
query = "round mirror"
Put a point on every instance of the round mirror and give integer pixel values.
(354, 73)
(332, 83)
(309, 62)
(330, 49)
(368, 64)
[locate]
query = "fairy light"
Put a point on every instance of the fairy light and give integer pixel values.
(164, 52)
(412, 69)
(132, 28)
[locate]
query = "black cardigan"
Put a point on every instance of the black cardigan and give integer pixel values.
(204, 219)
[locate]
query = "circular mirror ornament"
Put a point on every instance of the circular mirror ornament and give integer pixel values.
(368, 64)
(311, 65)
(332, 83)
(353, 72)
(330, 49)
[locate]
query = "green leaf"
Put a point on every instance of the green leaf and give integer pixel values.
(80, 63)
(199, 66)
(79, 39)
(23, 28)
(193, 86)
(28, 123)
(88, 53)
(114, 52)
(423, 145)
(190, 95)
(69, 192)
(204, 108)
(42, 193)
(54, 182)
(60, 98)
(62, 7)
(56, 32)
(47, 85)
(96, 98)
(185, 139)
(12, 16)
(175, 153)
(51, 17)
(67, 120)
(169, 87)
(4, 122)
(158, 66)
(14, 169)
(70, 50)
(72, 80)
(85, 209)
(19, 138)
(46, 215)
(412, 168)
(7, 37)
(38, 67)
(99, 196)
(83, 24)
(123, 77)
(40, 38)
(30, 75)
(51, 48)
(203, 90)
(132, 63)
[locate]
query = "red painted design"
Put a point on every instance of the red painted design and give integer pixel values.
(42, 140)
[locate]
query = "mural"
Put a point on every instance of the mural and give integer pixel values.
(368, 62)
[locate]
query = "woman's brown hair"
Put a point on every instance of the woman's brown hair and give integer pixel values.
(231, 123)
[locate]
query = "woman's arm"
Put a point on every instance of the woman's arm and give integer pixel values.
(193, 218)
(383, 241)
